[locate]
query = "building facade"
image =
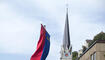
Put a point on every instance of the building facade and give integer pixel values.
(95, 52)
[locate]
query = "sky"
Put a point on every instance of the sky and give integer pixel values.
(20, 23)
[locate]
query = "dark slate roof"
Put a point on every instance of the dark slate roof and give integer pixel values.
(88, 41)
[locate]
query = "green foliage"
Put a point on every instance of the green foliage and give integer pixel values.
(104, 55)
(74, 55)
(91, 43)
(84, 48)
(100, 36)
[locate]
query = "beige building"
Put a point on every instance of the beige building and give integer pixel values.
(95, 52)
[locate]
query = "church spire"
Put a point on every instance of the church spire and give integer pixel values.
(66, 38)
(66, 49)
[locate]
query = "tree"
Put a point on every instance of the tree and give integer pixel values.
(100, 36)
(104, 55)
(74, 55)
(84, 48)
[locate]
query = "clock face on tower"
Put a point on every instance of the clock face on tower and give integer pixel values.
(66, 54)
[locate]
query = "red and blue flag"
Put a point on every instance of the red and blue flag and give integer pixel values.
(43, 45)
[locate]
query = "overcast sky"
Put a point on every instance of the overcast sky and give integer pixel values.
(20, 25)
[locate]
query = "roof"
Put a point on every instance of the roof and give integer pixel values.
(98, 41)
(88, 41)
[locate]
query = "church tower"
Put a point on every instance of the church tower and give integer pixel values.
(66, 49)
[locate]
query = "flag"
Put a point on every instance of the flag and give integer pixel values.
(43, 46)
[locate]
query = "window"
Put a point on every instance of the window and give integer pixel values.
(93, 56)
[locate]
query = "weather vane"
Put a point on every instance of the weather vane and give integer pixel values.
(67, 5)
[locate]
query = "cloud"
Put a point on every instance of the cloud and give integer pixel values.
(20, 23)
(16, 31)
(14, 56)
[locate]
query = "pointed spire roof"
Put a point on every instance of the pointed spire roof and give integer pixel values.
(66, 38)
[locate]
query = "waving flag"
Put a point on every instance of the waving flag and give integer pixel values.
(43, 46)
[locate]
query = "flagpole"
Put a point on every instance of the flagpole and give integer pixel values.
(44, 26)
